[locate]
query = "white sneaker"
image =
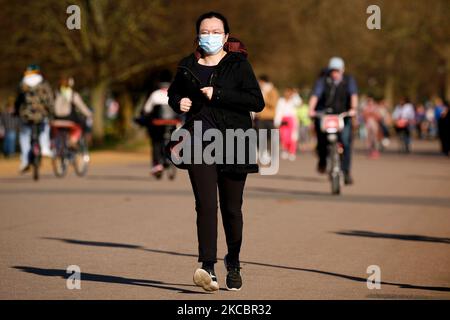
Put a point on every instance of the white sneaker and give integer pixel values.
(206, 280)
(24, 168)
(292, 157)
(284, 155)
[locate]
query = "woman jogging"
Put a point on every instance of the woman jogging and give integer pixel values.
(217, 86)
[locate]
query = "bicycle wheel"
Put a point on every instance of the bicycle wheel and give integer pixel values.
(335, 170)
(35, 161)
(335, 184)
(81, 158)
(59, 166)
(59, 160)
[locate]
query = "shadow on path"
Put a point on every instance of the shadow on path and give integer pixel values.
(109, 279)
(338, 275)
(407, 237)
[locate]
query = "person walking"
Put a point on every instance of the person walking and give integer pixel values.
(442, 118)
(403, 117)
(385, 124)
(216, 86)
(265, 118)
(9, 123)
(372, 118)
(305, 124)
(286, 119)
(420, 121)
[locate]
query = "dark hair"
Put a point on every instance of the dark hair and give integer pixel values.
(213, 14)
(264, 77)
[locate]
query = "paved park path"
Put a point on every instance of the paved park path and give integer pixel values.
(134, 237)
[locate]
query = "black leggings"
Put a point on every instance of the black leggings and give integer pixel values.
(205, 180)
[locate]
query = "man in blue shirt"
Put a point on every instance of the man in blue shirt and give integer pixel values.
(336, 92)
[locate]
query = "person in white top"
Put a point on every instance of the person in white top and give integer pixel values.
(159, 97)
(286, 119)
(404, 111)
(158, 112)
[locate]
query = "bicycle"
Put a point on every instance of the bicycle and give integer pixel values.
(63, 154)
(169, 125)
(332, 125)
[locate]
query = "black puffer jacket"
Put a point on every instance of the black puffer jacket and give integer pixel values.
(236, 93)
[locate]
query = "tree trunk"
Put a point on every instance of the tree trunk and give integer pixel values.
(389, 85)
(389, 90)
(412, 91)
(126, 113)
(98, 97)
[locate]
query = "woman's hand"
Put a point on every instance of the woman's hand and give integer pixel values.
(208, 92)
(185, 104)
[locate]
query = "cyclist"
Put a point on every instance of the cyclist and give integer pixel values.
(158, 117)
(336, 91)
(34, 104)
(68, 106)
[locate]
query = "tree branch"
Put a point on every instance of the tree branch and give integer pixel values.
(137, 68)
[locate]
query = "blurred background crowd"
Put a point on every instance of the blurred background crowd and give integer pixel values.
(122, 48)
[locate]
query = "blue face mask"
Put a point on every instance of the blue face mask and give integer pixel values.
(211, 43)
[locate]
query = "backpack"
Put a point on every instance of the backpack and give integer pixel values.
(335, 97)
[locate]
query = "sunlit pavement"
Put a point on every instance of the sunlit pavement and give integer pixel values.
(134, 237)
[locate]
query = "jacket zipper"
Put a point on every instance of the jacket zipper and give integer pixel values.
(211, 77)
(210, 80)
(189, 70)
